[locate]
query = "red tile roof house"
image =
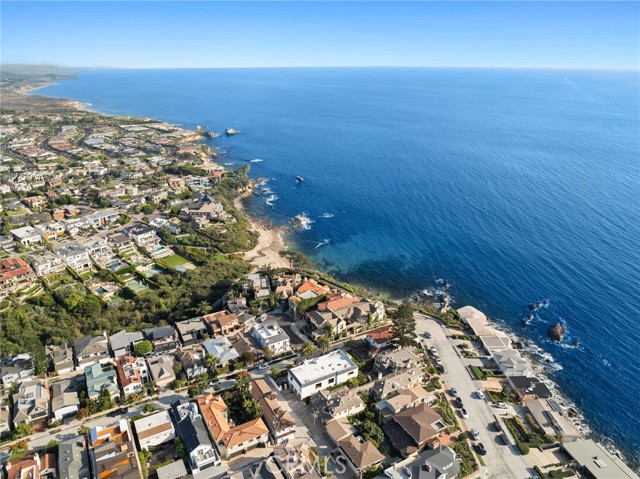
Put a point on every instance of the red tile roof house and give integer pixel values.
(230, 439)
(31, 466)
(411, 429)
(132, 373)
(221, 323)
(380, 338)
(15, 274)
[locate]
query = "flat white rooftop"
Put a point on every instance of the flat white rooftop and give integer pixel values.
(315, 369)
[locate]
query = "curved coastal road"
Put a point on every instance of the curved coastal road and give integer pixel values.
(502, 462)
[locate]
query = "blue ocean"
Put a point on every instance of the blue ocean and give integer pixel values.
(513, 185)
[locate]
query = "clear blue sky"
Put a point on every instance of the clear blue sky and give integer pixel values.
(263, 34)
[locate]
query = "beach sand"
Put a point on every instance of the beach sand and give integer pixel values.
(270, 243)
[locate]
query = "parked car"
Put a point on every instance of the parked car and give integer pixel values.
(118, 412)
(454, 392)
(458, 401)
(427, 334)
(480, 394)
(496, 424)
(464, 413)
(262, 367)
(474, 434)
(501, 405)
(481, 449)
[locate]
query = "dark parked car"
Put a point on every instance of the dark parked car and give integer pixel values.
(481, 449)
(458, 401)
(118, 412)
(496, 424)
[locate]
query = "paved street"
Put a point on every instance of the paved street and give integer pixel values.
(502, 462)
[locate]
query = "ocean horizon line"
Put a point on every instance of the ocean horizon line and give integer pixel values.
(318, 67)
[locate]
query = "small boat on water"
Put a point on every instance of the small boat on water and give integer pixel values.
(298, 179)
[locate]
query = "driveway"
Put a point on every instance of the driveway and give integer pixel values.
(502, 462)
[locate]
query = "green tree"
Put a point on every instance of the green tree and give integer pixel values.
(267, 353)
(52, 446)
(143, 348)
(249, 357)
(210, 361)
(324, 342)
(404, 324)
(18, 450)
(149, 407)
(308, 350)
(370, 431)
(22, 430)
(251, 409)
(181, 450)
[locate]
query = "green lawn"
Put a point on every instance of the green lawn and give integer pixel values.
(173, 260)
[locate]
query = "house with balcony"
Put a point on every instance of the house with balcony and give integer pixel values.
(64, 399)
(45, 263)
(191, 331)
(99, 377)
(316, 374)
(223, 350)
(161, 370)
(123, 343)
(113, 453)
(230, 439)
(27, 236)
(221, 323)
(73, 459)
(50, 231)
(360, 454)
(410, 430)
(163, 338)
(192, 361)
(31, 403)
(122, 243)
(31, 466)
(16, 368)
(91, 350)
(15, 275)
(279, 421)
(154, 430)
(61, 358)
(190, 427)
(337, 404)
(143, 236)
(270, 335)
(74, 257)
(132, 374)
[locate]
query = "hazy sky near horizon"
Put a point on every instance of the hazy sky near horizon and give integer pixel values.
(296, 34)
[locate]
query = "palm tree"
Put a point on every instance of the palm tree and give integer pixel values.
(308, 350)
(210, 361)
(324, 342)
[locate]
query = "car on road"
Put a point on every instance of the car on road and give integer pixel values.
(481, 449)
(474, 434)
(464, 413)
(427, 334)
(262, 367)
(441, 369)
(118, 412)
(501, 405)
(458, 401)
(480, 394)
(454, 392)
